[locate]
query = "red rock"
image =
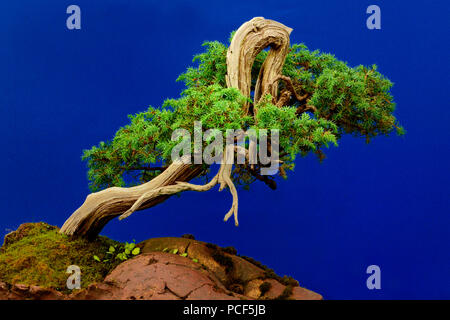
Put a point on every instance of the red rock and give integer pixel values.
(163, 274)
(22, 292)
(156, 275)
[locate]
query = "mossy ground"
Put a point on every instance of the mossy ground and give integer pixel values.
(37, 254)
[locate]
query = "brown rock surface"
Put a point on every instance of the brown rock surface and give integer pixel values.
(204, 272)
(157, 276)
(242, 278)
(25, 292)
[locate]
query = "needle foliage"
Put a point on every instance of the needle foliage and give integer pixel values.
(341, 100)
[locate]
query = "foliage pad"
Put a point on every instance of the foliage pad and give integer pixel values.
(343, 100)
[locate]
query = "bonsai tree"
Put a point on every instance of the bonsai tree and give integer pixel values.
(310, 97)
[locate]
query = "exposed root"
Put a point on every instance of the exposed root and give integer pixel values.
(234, 206)
(223, 177)
(168, 190)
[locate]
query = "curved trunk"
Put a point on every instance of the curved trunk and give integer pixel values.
(100, 207)
(250, 39)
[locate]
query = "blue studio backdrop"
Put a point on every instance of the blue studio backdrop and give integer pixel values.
(385, 203)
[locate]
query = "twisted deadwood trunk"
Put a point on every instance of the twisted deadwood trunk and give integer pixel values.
(249, 40)
(252, 37)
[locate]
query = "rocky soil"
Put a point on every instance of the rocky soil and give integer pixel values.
(178, 269)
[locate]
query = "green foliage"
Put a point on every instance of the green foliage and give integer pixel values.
(212, 67)
(175, 251)
(357, 100)
(147, 139)
(298, 134)
(347, 100)
(120, 252)
(37, 254)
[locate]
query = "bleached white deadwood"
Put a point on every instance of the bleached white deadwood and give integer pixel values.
(100, 207)
(223, 177)
(250, 39)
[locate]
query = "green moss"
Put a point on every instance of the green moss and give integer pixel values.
(37, 254)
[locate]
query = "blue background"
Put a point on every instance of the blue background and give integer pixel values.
(386, 203)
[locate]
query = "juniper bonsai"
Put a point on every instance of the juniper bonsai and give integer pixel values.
(311, 97)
